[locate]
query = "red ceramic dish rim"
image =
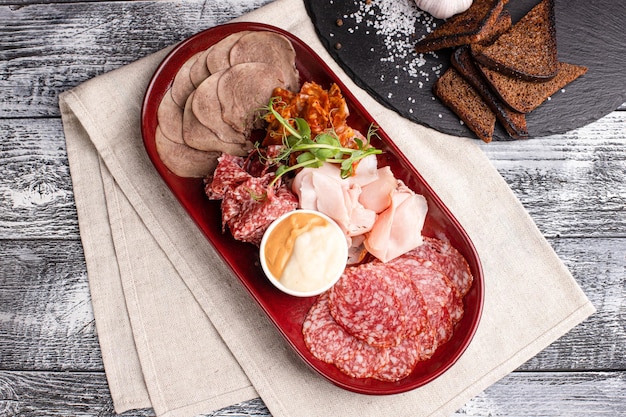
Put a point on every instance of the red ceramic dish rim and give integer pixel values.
(189, 194)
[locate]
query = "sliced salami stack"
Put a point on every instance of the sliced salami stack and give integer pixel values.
(381, 319)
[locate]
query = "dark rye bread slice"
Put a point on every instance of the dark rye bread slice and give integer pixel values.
(525, 96)
(527, 51)
(471, 26)
(456, 93)
(502, 25)
(514, 122)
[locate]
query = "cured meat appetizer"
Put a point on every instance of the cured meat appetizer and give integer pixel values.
(398, 312)
(401, 293)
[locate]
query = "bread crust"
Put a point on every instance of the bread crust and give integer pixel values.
(471, 26)
(528, 50)
(513, 121)
(456, 93)
(525, 96)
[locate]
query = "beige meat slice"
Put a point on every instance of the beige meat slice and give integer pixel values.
(200, 137)
(182, 85)
(218, 59)
(170, 117)
(207, 109)
(183, 160)
(270, 48)
(244, 90)
(199, 70)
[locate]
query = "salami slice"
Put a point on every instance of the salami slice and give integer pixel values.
(329, 342)
(402, 360)
(435, 287)
(325, 339)
(248, 204)
(366, 307)
(413, 306)
(363, 360)
(426, 343)
(253, 215)
(448, 260)
(228, 174)
(437, 292)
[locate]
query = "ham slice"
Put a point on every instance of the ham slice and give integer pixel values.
(398, 229)
(376, 195)
(324, 190)
(373, 208)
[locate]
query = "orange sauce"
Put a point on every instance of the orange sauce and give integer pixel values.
(281, 240)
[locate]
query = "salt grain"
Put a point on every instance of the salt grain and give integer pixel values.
(394, 21)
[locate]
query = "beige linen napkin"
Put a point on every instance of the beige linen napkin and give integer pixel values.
(179, 333)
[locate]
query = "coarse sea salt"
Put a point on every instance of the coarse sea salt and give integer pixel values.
(394, 21)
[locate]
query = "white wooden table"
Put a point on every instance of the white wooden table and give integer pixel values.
(573, 186)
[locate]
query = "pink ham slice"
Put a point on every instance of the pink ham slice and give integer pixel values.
(398, 229)
(324, 190)
(376, 195)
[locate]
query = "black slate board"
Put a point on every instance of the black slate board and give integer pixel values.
(376, 52)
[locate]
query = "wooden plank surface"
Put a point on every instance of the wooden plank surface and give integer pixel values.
(572, 186)
(50, 326)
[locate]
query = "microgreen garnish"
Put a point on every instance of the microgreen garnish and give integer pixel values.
(313, 152)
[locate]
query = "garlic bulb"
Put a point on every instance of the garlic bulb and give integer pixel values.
(443, 9)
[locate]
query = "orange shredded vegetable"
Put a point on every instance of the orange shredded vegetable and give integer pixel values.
(322, 109)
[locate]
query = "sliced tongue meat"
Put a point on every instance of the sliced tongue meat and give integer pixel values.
(206, 107)
(184, 160)
(200, 137)
(270, 48)
(218, 58)
(244, 89)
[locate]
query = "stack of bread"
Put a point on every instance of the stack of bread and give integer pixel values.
(499, 71)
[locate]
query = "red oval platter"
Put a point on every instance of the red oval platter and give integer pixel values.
(287, 312)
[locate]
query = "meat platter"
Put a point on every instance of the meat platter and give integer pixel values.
(288, 313)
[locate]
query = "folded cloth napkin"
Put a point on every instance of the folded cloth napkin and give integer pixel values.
(178, 332)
